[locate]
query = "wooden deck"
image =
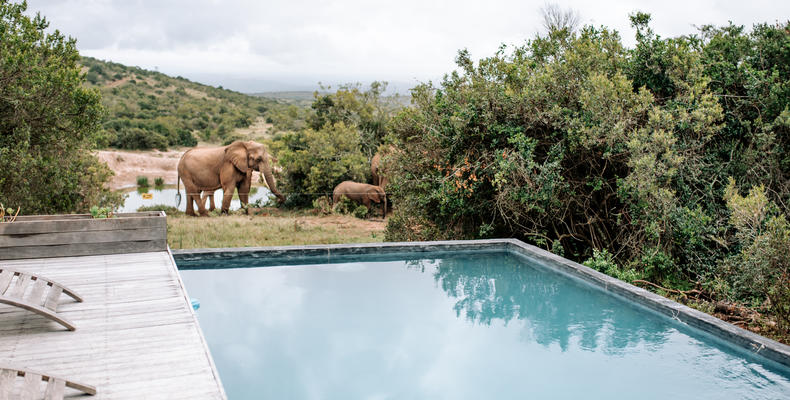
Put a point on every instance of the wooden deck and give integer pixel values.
(136, 337)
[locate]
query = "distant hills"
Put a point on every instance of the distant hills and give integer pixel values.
(148, 109)
(295, 97)
(151, 110)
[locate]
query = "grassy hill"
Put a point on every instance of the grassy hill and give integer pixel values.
(148, 109)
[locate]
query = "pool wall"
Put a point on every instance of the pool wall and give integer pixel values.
(284, 255)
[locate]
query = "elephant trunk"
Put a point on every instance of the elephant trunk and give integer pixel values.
(267, 174)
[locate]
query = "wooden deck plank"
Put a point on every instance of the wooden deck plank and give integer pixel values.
(137, 336)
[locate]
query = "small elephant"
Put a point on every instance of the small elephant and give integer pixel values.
(361, 193)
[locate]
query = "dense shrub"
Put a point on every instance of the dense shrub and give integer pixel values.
(360, 211)
(345, 129)
(760, 271)
(616, 156)
(49, 121)
(315, 161)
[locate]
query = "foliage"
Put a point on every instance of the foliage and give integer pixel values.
(142, 181)
(150, 110)
(8, 214)
(158, 181)
(367, 110)
(761, 270)
(344, 130)
(603, 261)
(344, 206)
(360, 211)
(612, 155)
(101, 212)
(323, 205)
(48, 120)
(315, 161)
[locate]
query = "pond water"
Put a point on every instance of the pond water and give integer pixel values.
(167, 195)
(489, 325)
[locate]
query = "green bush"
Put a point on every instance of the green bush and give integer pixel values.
(185, 138)
(323, 205)
(603, 261)
(360, 212)
(577, 143)
(344, 206)
(142, 181)
(760, 272)
(49, 121)
(314, 162)
(158, 181)
(139, 139)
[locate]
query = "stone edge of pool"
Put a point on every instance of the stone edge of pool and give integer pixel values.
(742, 338)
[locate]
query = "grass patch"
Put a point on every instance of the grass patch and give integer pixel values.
(142, 181)
(280, 229)
(169, 210)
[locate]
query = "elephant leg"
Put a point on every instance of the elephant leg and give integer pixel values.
(190, 192)
(244, 189)
(201, 203)
(206, 194)
(227, 196)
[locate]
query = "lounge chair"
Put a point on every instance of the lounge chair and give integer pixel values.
(30, 388)
(42, 299)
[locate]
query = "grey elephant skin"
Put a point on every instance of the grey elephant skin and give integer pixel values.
(206, 169)
(360, 193)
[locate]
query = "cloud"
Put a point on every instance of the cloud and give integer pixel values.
(304, 41)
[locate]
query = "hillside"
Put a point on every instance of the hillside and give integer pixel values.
(150, 110)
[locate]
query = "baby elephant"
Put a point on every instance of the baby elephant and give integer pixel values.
(360, 193)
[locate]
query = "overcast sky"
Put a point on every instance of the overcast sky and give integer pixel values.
(254, 46)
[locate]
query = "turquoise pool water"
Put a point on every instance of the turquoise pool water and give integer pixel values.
(470, 326)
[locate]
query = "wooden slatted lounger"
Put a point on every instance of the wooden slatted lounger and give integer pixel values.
(12, 292)
(31, 386)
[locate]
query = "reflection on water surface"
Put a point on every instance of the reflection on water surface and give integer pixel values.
(477, 326)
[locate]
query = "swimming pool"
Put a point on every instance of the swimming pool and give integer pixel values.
(466, 322)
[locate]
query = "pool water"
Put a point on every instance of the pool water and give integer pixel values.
(472, 326)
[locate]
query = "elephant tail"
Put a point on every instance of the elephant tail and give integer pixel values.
(178, 190)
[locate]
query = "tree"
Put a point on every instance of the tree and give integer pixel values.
(48, 121)
(556, 19)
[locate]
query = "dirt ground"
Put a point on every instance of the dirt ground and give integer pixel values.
(128, 165)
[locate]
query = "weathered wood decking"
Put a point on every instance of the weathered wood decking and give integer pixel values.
(136, 336)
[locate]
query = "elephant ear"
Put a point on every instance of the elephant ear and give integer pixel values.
(236, 154)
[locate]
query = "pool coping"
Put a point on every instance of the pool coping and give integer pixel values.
(731, 334)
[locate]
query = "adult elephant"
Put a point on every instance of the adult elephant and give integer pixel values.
(360, 193)
(378, 173)
(206, 169)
